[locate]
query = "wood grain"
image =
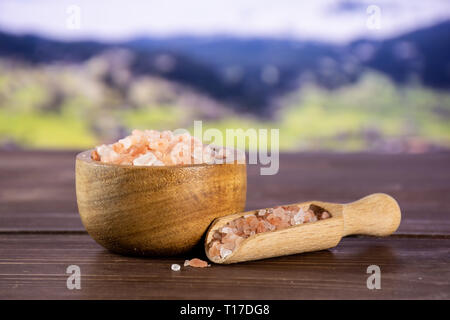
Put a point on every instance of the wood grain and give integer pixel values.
(377, 214)
(42, 185)
(41, 234)
(155, 210)
(34, 267)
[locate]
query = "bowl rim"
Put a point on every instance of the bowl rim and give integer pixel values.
(85, 156)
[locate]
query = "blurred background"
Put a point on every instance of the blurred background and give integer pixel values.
(332, 75)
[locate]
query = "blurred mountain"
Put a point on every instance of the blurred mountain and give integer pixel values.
(250, 73)
(423, 53)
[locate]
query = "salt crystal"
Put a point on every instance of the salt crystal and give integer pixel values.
(196, 263)
(158, 163)
(299, 217)
(269, 226)
(220, 152)
(167, 134)
(126, 142)
(325, 215)
(224, 155)
(175, 267)
(153, 134)
(180, 153)
(228, 245)
(183, 137)
(240, 156)
(228, 238)
(168, 149)
(278, 211)
(147, 159)
(225, 252)
(208, 156)
(227, 230)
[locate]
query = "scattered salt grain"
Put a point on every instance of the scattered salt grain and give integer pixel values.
(196, 263)
(175, 267)
(227, 230)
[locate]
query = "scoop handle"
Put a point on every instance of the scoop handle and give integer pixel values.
(377, 214)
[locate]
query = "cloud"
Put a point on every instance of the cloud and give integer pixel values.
(328, 20)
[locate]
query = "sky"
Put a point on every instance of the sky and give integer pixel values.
(323, 20)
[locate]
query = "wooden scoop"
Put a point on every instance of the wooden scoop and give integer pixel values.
(376, 215)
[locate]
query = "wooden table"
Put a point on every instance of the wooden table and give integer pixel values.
(41, 235)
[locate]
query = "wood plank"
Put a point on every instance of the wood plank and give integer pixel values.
(37, 188)
(34, 267)
(37, 191)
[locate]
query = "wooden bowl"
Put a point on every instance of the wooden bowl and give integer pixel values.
(155, 210)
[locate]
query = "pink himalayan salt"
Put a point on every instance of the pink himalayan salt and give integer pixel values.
(226, 239)
(196, 263)
(155, 148)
